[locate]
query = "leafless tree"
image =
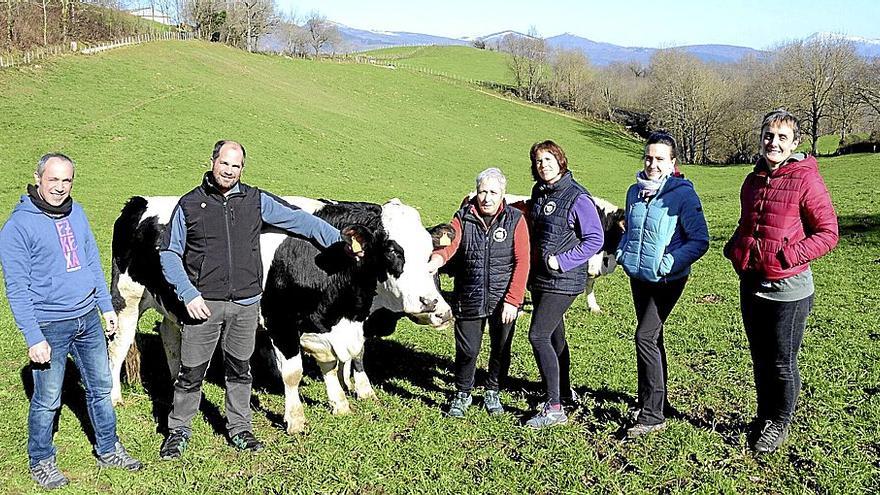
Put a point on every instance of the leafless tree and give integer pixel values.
(809, 75)
(570, 79)
(528, 61)
(321, 33)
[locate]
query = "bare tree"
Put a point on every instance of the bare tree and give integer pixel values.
(809, 74)
(528, 61)
(868, 87)
(321, 33)
(259, 19)
(571, 78)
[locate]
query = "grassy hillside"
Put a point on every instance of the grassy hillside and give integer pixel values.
(461, 61)
(142, 120)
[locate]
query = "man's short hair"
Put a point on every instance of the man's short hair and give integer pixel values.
(41, 165)
(781, 116)
(219, 144)
(492, 173)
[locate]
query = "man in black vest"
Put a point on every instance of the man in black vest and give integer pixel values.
(210, 253)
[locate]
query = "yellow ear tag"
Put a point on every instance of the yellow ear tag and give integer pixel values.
(444, 240)
(355, 245)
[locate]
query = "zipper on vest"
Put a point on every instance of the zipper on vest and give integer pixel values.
(486, 246)
(228, 249)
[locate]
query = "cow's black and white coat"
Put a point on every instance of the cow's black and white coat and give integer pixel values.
(314, 300)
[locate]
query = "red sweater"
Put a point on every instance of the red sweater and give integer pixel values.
(787, 220)
(517, 291)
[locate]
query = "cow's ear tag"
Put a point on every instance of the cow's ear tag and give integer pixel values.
(355, 245)
(444, 240)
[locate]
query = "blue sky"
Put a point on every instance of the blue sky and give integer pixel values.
(758, 24)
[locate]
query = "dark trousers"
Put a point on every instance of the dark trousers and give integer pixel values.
(653, 303)
(469, 338)
(775, 331)
(547, 336)
(237, 325)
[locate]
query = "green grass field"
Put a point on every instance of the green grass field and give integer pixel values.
(459, 61)
(142, 120)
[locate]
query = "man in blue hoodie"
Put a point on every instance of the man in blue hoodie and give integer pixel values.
(55, 286)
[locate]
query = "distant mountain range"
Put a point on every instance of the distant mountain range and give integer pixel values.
(599, 53)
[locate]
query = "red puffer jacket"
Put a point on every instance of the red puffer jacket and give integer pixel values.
(787, 220)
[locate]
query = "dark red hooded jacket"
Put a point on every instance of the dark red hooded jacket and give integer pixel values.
(787, 220)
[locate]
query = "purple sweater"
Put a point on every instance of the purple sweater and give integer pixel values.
(584, 220)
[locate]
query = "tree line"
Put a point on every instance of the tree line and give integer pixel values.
(712, 109)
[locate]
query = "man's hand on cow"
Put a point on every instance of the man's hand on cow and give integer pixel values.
(434, 263)
(508, 313)
(111, 323)
(197, 309)
(40, 352)
(553, 263)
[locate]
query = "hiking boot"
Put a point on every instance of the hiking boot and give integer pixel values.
(459, 404)
(492, 402)
(119, 458)
(246, 441)
(572, 401)
(642, 430)
(549, 416)
(174, 444)
(47, 475)
(772, 436)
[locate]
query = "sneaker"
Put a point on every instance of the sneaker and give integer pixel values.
(492, 402)
(642, 430)
(573, 401)
(549, 416)
(459, 404)
(47, 475)
(246, 441)
(174, 445)
(119, 458)
(772, 436)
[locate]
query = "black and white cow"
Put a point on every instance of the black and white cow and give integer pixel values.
(314, 301)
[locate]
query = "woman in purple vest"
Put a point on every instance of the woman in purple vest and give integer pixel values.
(565, 232)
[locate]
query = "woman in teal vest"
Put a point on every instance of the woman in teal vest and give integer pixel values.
(665, 233)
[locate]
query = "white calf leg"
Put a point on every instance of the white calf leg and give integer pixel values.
(593, 305)
(363, 387)
(330, 370)
(291, 374)
(169, 330)
(132, 293)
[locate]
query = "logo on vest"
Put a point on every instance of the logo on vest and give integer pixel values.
(550, 207)
(499, 235)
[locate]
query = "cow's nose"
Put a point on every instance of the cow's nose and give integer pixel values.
(428, 305)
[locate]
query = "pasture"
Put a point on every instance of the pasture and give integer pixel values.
(142, 120)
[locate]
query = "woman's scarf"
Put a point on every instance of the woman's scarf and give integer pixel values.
(648, 188)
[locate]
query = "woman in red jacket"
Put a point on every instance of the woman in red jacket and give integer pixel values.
(786, 222)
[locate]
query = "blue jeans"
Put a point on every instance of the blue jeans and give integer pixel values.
(83, 339)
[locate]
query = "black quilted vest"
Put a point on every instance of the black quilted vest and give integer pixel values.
(484, 262)
(551, 235)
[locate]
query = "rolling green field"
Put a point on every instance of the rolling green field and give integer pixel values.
(142, 120)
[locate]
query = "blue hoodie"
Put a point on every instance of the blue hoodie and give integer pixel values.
(664, 236)
(51, 268)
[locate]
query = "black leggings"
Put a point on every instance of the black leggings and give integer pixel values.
(547, 336)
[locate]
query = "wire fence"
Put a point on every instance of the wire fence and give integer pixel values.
(42, 53)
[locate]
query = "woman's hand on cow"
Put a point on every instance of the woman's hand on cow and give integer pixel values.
(508, 313)
(197, 309)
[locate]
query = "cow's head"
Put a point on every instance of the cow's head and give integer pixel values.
(411, 290)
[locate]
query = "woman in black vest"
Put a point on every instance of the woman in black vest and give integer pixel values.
(565, 232)
(490, 265)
